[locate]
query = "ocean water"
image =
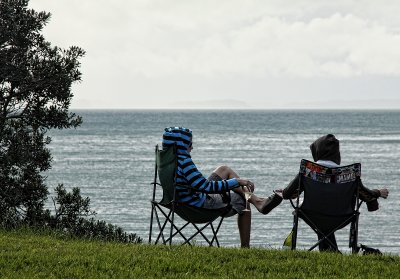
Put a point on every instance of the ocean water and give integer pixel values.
(111, 158)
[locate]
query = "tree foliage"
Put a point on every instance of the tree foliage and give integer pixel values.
(35, 95)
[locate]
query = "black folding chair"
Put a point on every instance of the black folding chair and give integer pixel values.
(164, 212)
(330, 202)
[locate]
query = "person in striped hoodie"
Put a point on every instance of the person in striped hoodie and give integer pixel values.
(206, 192)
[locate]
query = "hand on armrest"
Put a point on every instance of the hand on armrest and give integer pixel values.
(384, 193)
(279, 192)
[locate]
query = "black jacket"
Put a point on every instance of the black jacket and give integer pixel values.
(327, 148)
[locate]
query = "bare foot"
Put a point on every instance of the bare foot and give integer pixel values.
(258, 202)
(265, 205)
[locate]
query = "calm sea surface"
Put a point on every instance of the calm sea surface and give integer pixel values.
(111, 158)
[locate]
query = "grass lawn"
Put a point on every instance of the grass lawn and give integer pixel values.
(27, 254)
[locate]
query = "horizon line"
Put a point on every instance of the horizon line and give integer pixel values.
(231, 108)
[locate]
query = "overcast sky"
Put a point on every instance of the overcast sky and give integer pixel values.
(231, 53)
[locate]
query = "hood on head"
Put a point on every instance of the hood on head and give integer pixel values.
(326, 148)
(180, 136)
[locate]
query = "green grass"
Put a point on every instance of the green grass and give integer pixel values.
(27, 254)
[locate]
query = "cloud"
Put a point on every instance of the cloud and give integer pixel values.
(145, 53)
(337, 46)
(225, 38)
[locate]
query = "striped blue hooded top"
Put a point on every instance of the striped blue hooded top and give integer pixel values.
(187, 172)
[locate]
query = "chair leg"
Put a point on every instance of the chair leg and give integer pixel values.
(199, 231)
(172, 226)
(353, 239)
(295, 228)
(161, 228)
(168, 220)
(216, 232)
(325, 236)
(322, 236)
(326, 242)
(154, 207)
(179, 231)
(157, 212)
(151, 221)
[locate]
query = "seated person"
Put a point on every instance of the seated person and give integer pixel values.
(325, 152)
(221, 180)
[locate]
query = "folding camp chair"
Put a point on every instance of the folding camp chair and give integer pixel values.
(200, 220)
(330, 202)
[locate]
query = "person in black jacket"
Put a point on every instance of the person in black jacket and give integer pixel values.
(325, 151)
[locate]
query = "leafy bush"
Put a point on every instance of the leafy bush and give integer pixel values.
(71, 210)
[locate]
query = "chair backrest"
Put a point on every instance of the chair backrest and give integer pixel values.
(166, 166)
(329, 191)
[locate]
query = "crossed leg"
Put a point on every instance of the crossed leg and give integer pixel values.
(263, 205)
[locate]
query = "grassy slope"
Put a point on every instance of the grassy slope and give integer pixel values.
(31, 255)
